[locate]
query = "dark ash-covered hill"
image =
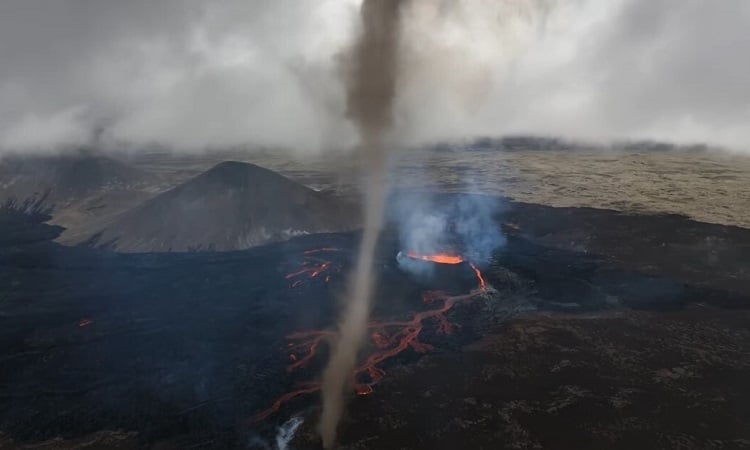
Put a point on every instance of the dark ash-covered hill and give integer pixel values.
(232, 206)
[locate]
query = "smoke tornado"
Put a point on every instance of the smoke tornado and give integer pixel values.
(371, 88)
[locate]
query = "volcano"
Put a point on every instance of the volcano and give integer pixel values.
(232, 206)
(440, 268)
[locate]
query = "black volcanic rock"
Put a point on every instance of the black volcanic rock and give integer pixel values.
(231, 206)
(179, 350)
(24, 222)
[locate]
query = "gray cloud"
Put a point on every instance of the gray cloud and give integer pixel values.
(185, 73)
(196, 74)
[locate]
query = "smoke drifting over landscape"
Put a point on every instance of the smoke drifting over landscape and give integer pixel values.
(430, 225)
(195, 74)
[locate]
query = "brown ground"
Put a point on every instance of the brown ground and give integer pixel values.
(711, 187)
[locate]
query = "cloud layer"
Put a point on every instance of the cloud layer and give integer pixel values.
(207, 74)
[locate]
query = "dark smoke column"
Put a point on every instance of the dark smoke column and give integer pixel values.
(371, 89)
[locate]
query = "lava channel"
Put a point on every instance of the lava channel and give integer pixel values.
(313, 267)
(387, 340)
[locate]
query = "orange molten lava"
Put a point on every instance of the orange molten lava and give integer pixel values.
(482, 284)
(438, 258)
(313, 267)
(322, 250)
(442, 258)
(387, 338)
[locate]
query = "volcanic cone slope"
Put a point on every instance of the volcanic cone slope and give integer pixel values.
(231, 206)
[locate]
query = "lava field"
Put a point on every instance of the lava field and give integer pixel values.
(219, 347)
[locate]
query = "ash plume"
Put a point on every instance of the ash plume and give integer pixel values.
(371, 89)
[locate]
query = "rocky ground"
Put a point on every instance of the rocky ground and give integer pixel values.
(625, 379)
(620, 380)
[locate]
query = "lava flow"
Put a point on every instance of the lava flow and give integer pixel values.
(313, 267)
(387, 339)
(438, 258)
(482, 284)
(322, 250)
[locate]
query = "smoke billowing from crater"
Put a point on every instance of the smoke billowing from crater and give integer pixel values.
(463, 225)
(371, 89)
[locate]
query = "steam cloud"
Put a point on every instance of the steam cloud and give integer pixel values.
(370, 94)
(284, 436)
(287, 431)
(430, 224)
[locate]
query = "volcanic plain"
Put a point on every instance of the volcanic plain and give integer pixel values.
(614, 315)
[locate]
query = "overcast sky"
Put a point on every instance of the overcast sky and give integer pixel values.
(199, 73)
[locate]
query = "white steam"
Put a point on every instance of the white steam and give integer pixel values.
(284, 436)
(286, 433)
(462, 224)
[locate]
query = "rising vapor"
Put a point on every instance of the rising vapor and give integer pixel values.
(371, 89)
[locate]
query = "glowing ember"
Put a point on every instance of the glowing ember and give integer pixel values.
(439, 258)
(363, 389)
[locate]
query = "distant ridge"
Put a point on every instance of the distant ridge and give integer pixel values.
(231, 206)
(526, 143)
(66, 176)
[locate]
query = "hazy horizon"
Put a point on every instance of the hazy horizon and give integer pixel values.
(193, 75)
